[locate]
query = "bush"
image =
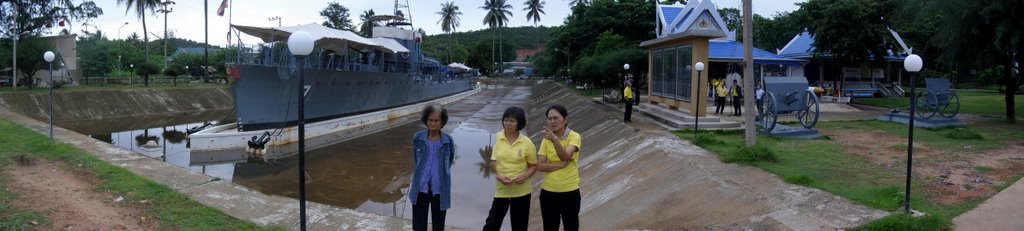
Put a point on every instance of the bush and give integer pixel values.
(964, 134)
(902, 221)
(757, 153)
(146, 69)
(798, 179)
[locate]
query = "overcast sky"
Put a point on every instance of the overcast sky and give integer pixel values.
(186, 20)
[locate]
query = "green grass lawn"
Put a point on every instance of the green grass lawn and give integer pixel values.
(971, 102)
(174, 210)
(821, 163)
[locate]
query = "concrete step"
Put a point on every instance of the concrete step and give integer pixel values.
(681, 119)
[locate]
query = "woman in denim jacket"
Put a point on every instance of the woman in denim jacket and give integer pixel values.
(433, 152)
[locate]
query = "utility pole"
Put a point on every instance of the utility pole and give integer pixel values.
(14, 37)
(206, 41)
(748, 75)
(165, 11)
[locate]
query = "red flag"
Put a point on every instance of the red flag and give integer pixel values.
(220, 10)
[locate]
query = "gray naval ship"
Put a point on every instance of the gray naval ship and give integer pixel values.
(346, 74)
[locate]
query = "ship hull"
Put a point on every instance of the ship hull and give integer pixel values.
(266, 97)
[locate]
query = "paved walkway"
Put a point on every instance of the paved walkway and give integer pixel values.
(1004, 211)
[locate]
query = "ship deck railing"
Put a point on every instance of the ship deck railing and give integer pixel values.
(278, 55)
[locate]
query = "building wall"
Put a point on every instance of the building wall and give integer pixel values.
(699, 54)
(64, 46)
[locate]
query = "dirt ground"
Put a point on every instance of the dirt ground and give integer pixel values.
(952, 177)
(69, 200)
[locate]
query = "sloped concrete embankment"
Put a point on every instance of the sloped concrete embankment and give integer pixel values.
(127, 108)
(650, 179)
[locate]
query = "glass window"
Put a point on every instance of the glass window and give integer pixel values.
(657, 77)
(684, 76)
(670, 71)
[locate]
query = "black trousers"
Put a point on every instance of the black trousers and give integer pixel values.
(736, 100)
(419, 212)
(629, 110)
(561, 207)
(518, 209)
(719, 105)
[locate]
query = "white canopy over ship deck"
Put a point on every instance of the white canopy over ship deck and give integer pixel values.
(323, 37)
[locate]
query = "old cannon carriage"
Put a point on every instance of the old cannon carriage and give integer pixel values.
(937, 97)
(785, 95)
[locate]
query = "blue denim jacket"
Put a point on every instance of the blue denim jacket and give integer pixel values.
(419, 154)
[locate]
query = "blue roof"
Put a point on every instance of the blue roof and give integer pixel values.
(731, 50)
(670, 13)
(801, 46)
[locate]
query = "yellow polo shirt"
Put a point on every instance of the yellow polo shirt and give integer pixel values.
(627, 93)
(568, 178)
(512, 160)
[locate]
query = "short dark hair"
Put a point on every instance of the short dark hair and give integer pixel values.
(557, 107)
(517, 114)
(430, 109)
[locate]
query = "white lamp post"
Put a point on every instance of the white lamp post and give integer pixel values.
(131, 68)
(913, 64)
(48, 56)
(300, 44)
(696, 120)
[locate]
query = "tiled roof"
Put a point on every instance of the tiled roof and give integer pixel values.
(731, 50)
(670, 13)
(801, 46)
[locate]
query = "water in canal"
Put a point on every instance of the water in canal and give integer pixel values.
(370, 173)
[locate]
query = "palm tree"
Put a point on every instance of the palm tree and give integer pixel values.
(367, 26)
(449, 21)
(140, 7)
(534, 8)
(498, 12)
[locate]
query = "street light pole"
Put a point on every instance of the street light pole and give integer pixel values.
(48, 56)
(14, 37)
(300, 44)
(119, 44)
(696, 111)
(913, 64)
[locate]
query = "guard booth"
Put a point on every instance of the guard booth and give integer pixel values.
(683, 34)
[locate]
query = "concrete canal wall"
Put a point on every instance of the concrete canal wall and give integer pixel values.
(121, 103)
(637, 177)
(124, 109)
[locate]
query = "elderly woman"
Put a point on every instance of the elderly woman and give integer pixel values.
(433, 152)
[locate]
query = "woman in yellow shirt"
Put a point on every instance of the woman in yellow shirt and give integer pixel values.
(514, 160)
(558, 156)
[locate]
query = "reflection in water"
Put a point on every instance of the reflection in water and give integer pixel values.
(485, 162)
(174, 136)
(170, 148)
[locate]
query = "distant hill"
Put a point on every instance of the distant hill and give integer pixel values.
(517, 37)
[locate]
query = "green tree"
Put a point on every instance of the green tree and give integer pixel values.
(449, 22)
(733, 20)
(367, 24)
(534, 8)
(579, 2)
(498, 12)
(985, 33)
(141, 7)
(577, 38)
(37, 16)
(850, 31)
(337, 17)
(30, 57)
